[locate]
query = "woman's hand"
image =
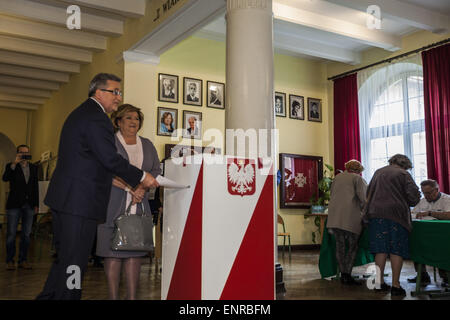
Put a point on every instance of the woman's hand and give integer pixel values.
(138, 194)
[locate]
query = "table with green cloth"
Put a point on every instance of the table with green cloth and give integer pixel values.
(429, 243)
(327, 261)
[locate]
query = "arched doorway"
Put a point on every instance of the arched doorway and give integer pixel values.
(7, 154)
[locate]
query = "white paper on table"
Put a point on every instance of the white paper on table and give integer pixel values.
(167, 183)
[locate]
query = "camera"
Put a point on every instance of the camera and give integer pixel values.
(26, 157)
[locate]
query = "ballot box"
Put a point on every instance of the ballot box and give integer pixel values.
(219, 234)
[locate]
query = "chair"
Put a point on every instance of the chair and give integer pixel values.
(284, 234)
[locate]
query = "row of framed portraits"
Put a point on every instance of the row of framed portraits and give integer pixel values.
(192, 91)
(168, 123)
(297, 107)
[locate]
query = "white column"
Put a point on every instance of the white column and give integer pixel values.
(249, 75)
(249, 84)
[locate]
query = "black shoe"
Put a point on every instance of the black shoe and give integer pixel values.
(398, 291)
(347, 279)
(384, 287)
(424, 281)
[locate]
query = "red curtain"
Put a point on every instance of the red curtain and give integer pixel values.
(436, 74)
(346, 121)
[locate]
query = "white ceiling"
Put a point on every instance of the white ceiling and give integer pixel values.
(38, 52)
(336, 30)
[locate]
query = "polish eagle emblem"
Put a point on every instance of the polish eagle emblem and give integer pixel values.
(241, 177)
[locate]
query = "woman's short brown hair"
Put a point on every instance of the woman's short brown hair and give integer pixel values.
(121, 111)
(401, 160)
(354, 166)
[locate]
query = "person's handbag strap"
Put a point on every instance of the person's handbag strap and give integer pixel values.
(127, 212)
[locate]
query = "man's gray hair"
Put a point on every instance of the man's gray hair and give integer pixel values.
(401, 160)
(100, 82)
(429, 182)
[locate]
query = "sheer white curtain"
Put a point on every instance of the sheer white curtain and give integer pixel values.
(391, 115)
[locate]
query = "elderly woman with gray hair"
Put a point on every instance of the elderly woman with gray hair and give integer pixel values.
(348, 196)
(391, 193)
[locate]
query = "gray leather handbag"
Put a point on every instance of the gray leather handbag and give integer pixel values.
(133, 232)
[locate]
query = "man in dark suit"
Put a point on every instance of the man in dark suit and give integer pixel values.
(80, 187)
(22, 203)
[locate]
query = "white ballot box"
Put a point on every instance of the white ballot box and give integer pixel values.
(218, 234)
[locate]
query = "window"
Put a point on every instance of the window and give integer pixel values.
(392, 118)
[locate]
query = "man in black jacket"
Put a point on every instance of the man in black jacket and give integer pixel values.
(80, 187)
(22, 204)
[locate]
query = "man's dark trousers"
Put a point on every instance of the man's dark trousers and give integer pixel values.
(74, 237)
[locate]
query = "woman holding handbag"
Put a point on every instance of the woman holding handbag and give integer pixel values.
(140, 152)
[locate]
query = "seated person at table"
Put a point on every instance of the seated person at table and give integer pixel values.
(348, 195)
(437, 205)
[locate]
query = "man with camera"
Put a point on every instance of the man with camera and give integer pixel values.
(22, 204)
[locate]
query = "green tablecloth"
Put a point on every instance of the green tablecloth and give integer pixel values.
(429, 243)
(327, 260)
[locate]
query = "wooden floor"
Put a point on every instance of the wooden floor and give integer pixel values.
(301, 277)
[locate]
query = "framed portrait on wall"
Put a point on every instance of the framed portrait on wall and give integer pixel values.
(193, 91)
(215, 95)
(300, 176)
(314, 110)
(280, 104)
(167, 122)
(296, 107)
(168, 88)
(192, 124)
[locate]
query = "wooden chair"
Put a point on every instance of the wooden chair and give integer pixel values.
(284, 234)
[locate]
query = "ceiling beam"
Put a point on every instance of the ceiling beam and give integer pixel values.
(22, 28)
(58, 16)
(45, 49)
(407, 13)
(327, 23)
(26, 60)
(25, 91)
(18, 105)
(32, 73)
(24, 99)
(128, 8)
(288, 43)
(28, 83)
(295, 45)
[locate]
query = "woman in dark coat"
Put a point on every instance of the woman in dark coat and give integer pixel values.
(391, 193)
(141, 153)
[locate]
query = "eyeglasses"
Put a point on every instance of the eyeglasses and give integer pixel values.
(115, 92)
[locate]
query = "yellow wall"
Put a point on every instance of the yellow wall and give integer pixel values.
(13, 124)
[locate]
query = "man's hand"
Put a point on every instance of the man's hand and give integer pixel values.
(149, 181)
(119, 183)
(18, 159)
(420, 215)
(36, 210)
